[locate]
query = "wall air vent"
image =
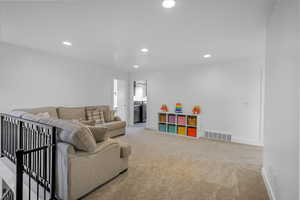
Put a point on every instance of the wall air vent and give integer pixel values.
(216, 135)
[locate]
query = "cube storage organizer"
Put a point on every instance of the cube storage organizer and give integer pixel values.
(179, 124)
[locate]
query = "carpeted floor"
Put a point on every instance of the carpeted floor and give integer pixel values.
(164, 167)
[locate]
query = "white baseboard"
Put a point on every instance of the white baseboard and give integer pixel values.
(233, 139)
(243, 141)
(268, 184)
(149, 129)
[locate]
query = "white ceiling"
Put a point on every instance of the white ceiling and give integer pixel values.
(111, 32)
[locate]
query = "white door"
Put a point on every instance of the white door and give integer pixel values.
(120, 98)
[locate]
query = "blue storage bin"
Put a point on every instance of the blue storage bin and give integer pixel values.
(162, 127)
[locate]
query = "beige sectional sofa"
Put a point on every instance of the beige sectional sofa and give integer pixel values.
(115, 127)
(79, 169)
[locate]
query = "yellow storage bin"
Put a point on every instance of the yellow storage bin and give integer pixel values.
(162, 118)
(181, 130)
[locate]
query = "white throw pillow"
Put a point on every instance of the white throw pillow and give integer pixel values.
(111, 115)
(44, 115)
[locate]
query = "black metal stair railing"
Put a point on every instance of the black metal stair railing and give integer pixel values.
(31, 146)
(8, 195)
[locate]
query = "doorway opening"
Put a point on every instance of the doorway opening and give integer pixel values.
(140, 103)
(120, 98)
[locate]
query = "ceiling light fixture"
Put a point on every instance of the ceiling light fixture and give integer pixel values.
(207, 56)
(144, 50)
(168, 3)
(67, 43)
(136, 66)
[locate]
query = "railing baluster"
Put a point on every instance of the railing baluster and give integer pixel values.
(19, 175)
(9, 139)
(25, 138)
(12, 131)
(5, 138)
(1, 135)
(12, 137)
(53, 164)
(45, 171)
(49, 156)
(29, 171)
(38, 165)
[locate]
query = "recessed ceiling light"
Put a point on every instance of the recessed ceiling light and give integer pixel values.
(67, 43)
(207, 56)
(144, 50)
(168, 3)
(136, 66)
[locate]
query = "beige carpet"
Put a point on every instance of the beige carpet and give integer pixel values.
(166, 167)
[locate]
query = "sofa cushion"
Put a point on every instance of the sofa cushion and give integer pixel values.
(103, 108)
(95, 115)
(70, 132)
(114, 125)
(101, 147)
(51, 110)
(67, 113)
(88, 122)
(99, 133)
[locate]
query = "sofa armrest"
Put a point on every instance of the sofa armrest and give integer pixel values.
(125, 150)
(64, 153)
(65, 149)
(117, 118)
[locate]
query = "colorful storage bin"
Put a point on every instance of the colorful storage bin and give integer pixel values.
(162, 117)
(162, 127)
(192, 120)
(181, 120)
(192, 132)
(172, 119)
(171, 128)
(181, 130)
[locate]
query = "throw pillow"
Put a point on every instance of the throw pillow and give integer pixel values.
(99, 133)
(111, 115)
(96, 115)
(84, 122)
(45, 115)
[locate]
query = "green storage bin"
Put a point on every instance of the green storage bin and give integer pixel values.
(162, 127)
(172, 129)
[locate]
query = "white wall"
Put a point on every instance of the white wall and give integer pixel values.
(281, 136)
(30, 78)
(229, 94)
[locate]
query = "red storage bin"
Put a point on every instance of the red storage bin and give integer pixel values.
(192, 132)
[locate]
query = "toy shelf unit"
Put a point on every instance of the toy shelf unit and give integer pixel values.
(181, 124)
